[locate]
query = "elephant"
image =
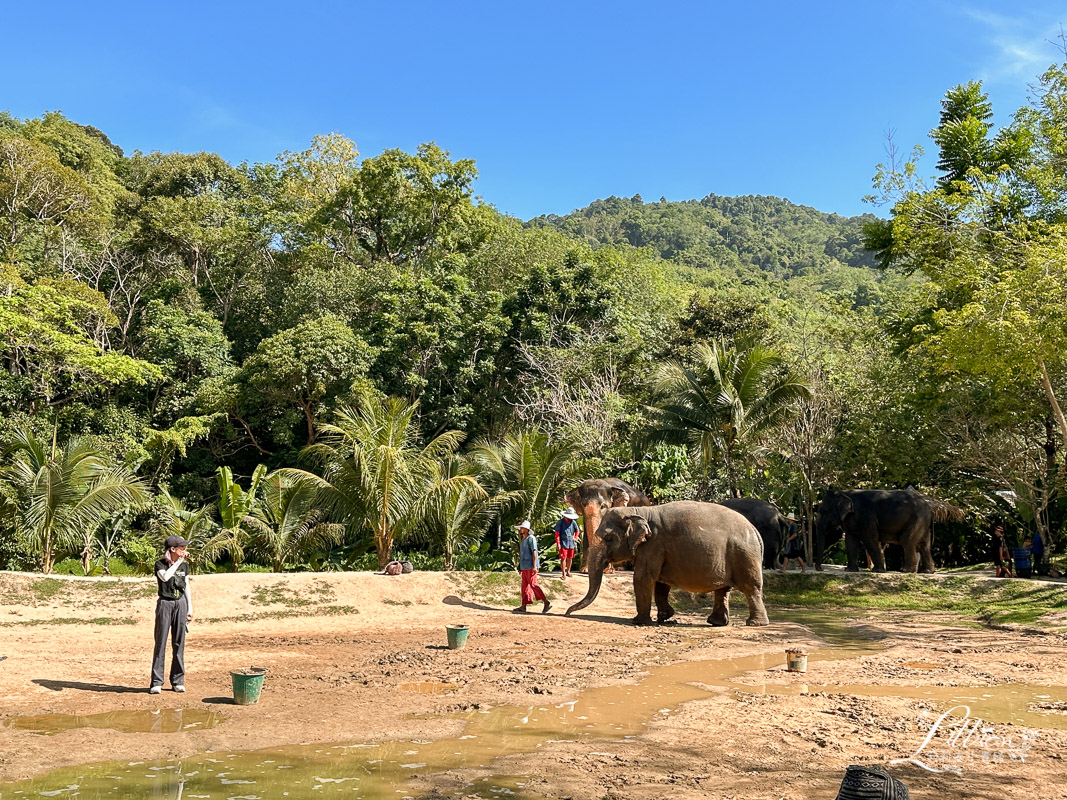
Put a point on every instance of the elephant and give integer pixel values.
(768, 520)
(871, 519)
(699, 547)
(593, 497)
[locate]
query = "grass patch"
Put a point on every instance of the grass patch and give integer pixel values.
(390, 602)
(72, 621)
(280, 594)
(319, 611)
(499, 588)
(1006, 601)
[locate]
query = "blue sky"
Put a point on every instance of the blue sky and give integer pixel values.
(558, 102)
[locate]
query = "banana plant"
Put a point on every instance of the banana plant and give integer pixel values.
(237, 517)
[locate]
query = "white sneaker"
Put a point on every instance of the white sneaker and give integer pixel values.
(179, 687)
(155, 690)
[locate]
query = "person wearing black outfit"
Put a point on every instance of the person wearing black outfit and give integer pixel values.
(174, 612)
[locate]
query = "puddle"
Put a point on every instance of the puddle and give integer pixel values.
(166, 720)
(391, 769)
(428, 687)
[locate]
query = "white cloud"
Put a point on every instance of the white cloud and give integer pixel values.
(1022, 46)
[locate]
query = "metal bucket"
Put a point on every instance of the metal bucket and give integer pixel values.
(248, 685)
(457, 636)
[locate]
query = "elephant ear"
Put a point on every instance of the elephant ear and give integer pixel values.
(637, 532)
(843, 504)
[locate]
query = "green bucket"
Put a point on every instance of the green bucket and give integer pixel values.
(248, 685)
(457, 636)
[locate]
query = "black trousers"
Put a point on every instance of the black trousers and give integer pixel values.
(171, 618)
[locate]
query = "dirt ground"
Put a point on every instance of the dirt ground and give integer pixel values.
(359, 658)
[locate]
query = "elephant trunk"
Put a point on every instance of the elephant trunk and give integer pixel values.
(591, 518)
(596, 576)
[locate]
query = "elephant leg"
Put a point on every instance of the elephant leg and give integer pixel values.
(664, 611)
(911, 558)
(643, 594)
(926, 558)
(852, 550)
(720, 612)
(757, 612)
(874, 550)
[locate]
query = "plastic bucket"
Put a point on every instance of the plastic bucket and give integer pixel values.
(796, 661)
(457, 636)
(248, 685)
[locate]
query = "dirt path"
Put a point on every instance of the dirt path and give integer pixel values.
(359, 658)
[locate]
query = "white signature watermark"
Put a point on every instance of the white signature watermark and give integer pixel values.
(955, 739)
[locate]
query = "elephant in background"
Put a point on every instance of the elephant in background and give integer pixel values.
(595, 496)
(871, 519)
(699, 547)
(768, 520)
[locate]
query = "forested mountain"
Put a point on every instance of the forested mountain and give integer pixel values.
(748, 239)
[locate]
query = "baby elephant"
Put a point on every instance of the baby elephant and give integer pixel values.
(699, 547)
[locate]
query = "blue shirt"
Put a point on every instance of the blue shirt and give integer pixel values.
(528, 553)
(565, 531)
(1021, 557)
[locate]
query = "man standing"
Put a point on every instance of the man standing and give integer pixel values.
(528, 567)
(566, 534)
(174, 612)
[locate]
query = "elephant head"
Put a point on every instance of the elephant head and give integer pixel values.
(831, 519)
(621, 534)
(592, 498)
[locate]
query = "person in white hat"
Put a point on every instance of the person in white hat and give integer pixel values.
(566, 539)
(528, 567)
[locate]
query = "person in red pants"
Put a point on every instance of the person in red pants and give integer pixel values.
(528, 567)
(566, 539)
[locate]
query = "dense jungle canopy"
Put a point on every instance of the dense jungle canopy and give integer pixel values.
(384, 359)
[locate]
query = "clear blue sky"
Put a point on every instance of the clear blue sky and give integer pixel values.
(558, 102)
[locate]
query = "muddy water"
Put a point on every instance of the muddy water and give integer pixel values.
(166, 720)
(386, 770)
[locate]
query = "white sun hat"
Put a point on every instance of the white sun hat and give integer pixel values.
(525, 524)
(570, 513)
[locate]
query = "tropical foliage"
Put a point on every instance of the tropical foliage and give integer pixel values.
(306, 360)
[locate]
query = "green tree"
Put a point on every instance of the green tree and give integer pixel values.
(66, 492)
(377, 473)
(288, 526)
(237, 515)
(462, 517)
(294, 372)
(527, 474)
(726, 400)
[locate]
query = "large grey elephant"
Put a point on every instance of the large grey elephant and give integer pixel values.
(869, 520)
(768, 520)
(593, 497)
(699, 547)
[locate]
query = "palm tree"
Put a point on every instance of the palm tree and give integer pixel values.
(237, 509)
(726, 399)
(528, 472)
(288, 525)
(66, 493)
(377, 474)
(463, 514)
(174, 519)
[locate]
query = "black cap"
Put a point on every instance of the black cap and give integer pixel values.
(174, 541)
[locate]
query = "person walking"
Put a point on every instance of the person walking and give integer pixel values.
(794, 548)
(528, 564)
(174, 612)
(566, 531)
(1003, 560)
